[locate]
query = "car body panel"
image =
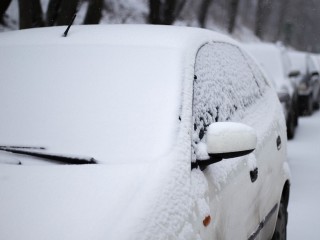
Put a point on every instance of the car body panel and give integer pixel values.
(165, 198)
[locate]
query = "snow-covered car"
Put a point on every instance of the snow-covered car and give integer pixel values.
(138, 132)
(311, 87)
(276, 63)
(308, 82)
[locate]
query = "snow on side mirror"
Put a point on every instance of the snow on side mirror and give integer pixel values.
(230, 139)
(227, 140)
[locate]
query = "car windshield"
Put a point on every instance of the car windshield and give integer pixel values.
(116, 103)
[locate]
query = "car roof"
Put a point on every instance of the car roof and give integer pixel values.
(187, 38)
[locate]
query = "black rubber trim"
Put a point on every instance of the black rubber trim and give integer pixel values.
(231, 154)
(50, 157)
(217, 157)
(263, 223)
(202, 164)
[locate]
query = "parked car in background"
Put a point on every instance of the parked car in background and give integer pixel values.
(308, 82)
(314, 70)
(299, 63)
(276, 63)
(138, 132)
(313, 82)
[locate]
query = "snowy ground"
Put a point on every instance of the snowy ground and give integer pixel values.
(304, 158)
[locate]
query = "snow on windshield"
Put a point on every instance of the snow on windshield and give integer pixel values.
(111, 103)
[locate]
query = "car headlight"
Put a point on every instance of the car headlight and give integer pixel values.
(303, 86)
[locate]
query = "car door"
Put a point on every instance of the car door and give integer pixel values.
(226, 89)
(270, 152)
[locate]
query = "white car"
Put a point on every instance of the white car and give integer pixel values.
(276, 62)
(308, 82)
(138, 132)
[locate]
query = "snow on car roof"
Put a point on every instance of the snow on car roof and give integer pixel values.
(145, 35)
(100, 86)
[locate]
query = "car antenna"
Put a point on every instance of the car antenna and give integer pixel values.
(67, 30)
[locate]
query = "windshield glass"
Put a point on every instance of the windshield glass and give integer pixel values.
(112, 103)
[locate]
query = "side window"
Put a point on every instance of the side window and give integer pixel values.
(224, 84)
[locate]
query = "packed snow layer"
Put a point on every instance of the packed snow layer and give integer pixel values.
(110, 103)
(186, 38)
(68, 202)
(243, 137)
(303, 156)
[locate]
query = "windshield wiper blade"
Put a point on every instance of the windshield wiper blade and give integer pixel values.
(24, 147)
(50, 157)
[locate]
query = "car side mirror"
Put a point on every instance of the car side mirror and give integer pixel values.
(294, 73)
(283, 97)
(227, 140)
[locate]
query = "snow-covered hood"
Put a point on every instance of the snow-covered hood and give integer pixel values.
(99, 111)
(68, 201)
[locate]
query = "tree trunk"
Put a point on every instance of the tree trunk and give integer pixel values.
(262, 12)
(169, 12)
(154, 11)
(93, 14)
(30, 13)
(203, 12)
(164, 11)
(66, 11)
(259, 13)
(233, 11)
(282, 16)
(4, 4)
(53, 11)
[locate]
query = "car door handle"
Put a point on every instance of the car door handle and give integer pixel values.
(254, 175)
(278, 142)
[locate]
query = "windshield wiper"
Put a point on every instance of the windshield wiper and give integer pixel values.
(50, 157)
(24, 147)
